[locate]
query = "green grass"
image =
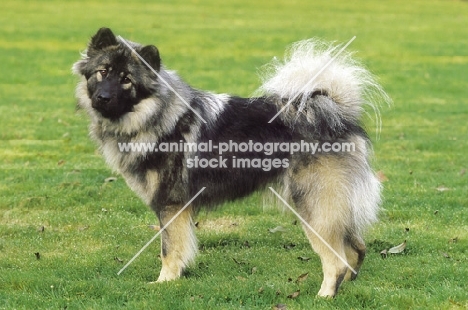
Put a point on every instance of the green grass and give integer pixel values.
(52, 177)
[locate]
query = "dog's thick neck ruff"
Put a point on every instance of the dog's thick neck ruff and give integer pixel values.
(336, 192)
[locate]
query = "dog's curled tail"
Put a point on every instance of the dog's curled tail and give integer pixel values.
(323, 83)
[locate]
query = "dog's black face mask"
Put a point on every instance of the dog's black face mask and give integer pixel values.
(116, 79)
(111, 93)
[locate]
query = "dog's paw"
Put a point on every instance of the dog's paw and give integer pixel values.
(168, 274)
(326, 293)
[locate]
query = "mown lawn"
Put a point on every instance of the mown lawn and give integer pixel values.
(65, 232)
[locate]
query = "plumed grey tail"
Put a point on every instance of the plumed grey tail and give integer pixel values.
(315, 81)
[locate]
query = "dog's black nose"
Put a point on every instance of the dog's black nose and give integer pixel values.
(104, 97)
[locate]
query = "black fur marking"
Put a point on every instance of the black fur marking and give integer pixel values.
(187, 121)
(164, 237)
(151, 55)
(242, 120)
(172, 189)
(102, 39)
(110, 99)
(339, 279)
(319, 93)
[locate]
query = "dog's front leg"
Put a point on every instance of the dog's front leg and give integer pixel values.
(178, 242)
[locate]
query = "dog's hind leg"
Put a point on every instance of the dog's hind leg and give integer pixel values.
(322, 194)
(178, 242)
(333, 267)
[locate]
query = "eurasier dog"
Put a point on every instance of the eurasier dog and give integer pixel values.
(301, 133)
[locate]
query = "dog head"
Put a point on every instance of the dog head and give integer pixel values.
(116, 79)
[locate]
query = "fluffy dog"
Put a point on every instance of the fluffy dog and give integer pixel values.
(233, 146)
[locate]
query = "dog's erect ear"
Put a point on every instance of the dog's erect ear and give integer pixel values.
(151, 55)
(102, 39)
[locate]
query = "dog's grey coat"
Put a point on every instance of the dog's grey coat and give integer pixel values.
(337, 193)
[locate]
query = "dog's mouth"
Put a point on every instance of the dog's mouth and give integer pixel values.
(108, 108)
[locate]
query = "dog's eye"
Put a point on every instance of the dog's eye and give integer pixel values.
(126, 80)
(103, 73)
